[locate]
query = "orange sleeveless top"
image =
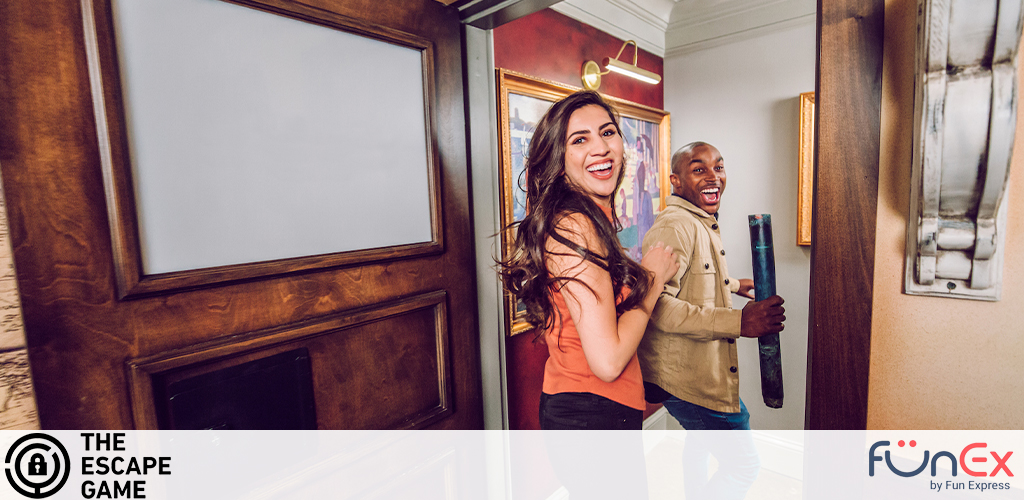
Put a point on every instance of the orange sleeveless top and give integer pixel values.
(567, 370)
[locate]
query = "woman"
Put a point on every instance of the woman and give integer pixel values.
(574, 278)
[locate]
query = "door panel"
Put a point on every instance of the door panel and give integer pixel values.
(302, 142)
(84, 341)
(393, 354)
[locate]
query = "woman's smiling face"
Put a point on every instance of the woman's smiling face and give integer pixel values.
(593, 153)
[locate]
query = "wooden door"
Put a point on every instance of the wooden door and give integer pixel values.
(388, 336)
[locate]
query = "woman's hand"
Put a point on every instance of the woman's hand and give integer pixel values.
(661, 261)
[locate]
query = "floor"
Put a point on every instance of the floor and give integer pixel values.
(665, 478)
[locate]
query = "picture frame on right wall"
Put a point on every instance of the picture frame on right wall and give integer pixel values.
(805, 190)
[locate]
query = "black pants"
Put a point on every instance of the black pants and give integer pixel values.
(594, 465)
(583, 410)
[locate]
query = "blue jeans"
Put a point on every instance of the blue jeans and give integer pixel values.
(738, 463)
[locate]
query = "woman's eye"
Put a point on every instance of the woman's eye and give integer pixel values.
(608, 132)
(578, 140)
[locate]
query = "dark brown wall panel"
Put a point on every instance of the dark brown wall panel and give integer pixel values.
(845, 204)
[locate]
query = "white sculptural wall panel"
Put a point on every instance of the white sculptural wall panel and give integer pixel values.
(965, 118)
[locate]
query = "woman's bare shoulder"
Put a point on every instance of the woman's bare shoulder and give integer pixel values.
(580, 230)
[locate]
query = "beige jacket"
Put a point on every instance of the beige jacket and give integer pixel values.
(689, 348)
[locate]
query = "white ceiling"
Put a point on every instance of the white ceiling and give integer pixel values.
(671, 27)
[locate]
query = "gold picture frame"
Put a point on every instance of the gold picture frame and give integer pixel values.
(805, 191)
(522, 100)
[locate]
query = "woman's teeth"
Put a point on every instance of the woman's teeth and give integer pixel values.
(599, 167)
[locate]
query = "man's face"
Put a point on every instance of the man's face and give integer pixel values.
(700, 178)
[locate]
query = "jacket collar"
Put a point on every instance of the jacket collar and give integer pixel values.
(681, 202)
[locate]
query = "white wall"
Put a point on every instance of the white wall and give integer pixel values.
(742, 97)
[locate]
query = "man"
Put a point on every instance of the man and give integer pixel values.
(688, 354)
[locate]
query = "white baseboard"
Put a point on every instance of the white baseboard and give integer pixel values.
(781, 455)
(656, 429)
(560, 494)
(658, 420)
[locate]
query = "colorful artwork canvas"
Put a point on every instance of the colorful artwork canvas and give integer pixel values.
(639, 196)
(524, 113)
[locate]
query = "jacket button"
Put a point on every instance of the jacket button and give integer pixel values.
(732, 369)
(714, 226)
(707, 266)
(732, 341)
(726, 281)
(723, 252)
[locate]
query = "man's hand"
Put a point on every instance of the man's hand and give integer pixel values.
(746, 288)
(762, 318)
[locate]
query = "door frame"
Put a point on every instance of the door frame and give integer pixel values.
(848, 87)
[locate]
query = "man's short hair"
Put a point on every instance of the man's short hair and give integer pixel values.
(685, 150)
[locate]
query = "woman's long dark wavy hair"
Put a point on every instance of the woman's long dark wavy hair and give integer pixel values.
(550, 197)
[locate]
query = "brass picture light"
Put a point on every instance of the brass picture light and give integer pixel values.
(592, 72)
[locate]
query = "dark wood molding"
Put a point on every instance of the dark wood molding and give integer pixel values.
(108, 108)
(489, 14)
(147, 372)
(848, 127)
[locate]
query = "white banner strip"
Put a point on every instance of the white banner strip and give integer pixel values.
(219, 464)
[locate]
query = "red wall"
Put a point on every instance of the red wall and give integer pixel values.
(554, 47)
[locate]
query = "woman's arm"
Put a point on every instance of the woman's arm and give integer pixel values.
(608, 342)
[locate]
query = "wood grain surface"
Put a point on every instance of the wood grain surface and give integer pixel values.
(848, 121)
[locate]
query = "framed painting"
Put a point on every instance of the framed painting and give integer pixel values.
(522, 101)
(805, 191)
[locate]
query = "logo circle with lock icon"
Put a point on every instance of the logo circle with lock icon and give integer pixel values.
(37, 465)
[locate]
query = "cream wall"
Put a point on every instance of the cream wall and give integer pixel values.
(743, 97)
(938, 363)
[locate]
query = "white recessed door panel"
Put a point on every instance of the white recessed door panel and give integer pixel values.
(257, 137)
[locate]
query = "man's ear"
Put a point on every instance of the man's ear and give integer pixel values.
(674, 179)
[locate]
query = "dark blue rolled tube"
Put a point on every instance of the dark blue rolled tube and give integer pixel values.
(763, 255)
